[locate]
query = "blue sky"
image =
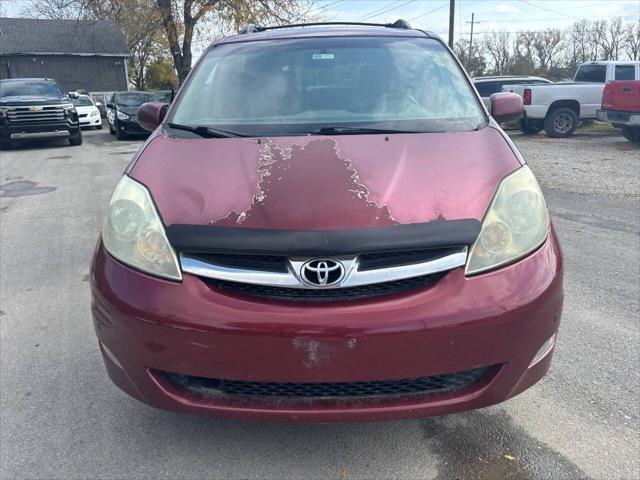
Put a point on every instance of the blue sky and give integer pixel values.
(509, 15)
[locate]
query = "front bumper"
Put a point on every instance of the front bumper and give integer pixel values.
(131, 127)
(35, 131)
(90, 121)
(630, 119)
(500, 319)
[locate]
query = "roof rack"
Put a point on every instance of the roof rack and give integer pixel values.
(252, 28)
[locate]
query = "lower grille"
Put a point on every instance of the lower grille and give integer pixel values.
(437, 384)
(324, 295)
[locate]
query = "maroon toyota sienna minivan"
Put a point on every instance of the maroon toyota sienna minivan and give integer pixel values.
(327, 225)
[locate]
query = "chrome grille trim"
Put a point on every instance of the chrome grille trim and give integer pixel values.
(352, 278)
(45, 113)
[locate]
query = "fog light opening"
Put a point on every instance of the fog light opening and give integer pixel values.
(544, 350)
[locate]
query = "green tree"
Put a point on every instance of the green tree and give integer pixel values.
(161, 75)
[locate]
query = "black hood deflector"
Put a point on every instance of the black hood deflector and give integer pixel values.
(308, 243)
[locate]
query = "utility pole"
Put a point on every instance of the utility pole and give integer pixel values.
(452, 16)
(472, 22)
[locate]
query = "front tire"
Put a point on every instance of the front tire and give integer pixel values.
(561, 122)
(529, 127)
(631, 134)
(111, 130)
(77, 140)
(120, 135)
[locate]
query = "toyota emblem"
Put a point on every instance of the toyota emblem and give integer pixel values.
(322, 272)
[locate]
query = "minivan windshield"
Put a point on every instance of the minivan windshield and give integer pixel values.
(29, 88)
(300, 86)
(133, 99)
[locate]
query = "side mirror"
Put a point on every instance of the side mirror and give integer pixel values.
(73, 95)
(506, 107)
(151, 115)
(109, 105)
(98, 104)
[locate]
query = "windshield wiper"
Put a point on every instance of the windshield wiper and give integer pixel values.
(355, 131)
(206, 132)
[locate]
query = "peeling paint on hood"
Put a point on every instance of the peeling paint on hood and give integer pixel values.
(351, 181)
(320, 183)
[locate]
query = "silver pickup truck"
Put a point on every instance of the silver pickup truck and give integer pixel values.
(558, 107)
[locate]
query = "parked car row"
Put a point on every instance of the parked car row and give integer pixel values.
(37, 108)
(558, 108)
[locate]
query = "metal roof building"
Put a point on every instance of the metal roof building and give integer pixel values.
(88, 54)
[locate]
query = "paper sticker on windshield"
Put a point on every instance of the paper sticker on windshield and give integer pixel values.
(323, 56)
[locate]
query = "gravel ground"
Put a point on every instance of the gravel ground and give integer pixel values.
(62, 418)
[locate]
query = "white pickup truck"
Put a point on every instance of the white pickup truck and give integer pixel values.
(558, 107)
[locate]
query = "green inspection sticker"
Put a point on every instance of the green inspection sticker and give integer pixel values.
(323, 56)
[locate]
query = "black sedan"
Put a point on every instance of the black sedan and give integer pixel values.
(122, 113)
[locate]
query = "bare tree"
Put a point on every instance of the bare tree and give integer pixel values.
(180, 19)
(498, 46)
(578, 41)
(632, 40)
(545, 45)
(597, 32)
(611, 38)
(139, 21)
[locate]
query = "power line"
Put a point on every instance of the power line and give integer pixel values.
(324, 7)
(516, 20)
(430, 11)
(546, 9)
(382, 10)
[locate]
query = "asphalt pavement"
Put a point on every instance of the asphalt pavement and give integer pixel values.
(62, 418)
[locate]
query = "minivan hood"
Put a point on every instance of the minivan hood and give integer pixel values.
(324, 182)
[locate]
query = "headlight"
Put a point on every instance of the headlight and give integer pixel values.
(134, 234)
(516, 223)
(123, 116)
(95, 113)
(69, 110)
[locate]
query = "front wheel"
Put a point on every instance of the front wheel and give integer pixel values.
(529, 127)
(120, 135)
(561, 122)
(77, 140)
(631, 134)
